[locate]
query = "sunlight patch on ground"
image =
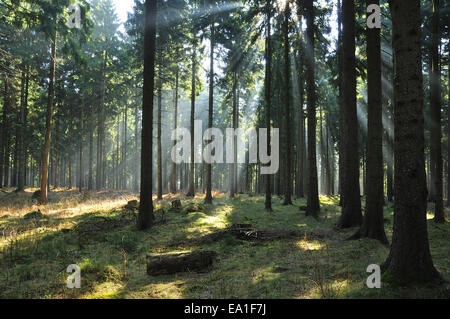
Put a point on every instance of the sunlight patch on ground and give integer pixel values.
(309, 245)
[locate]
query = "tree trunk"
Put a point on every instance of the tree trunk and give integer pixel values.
(299, 190)
(136, 148)
(287, 107)
(159, 147)
(448, 134)
(80, 154)
(409, 259)
(435, 115)
(145, 216)
(91, 151)
(100, 174)
(21, 137)
(313, 205)
(351, 206)
(4, 137)
(341, 106)
(208, 197)
(48, 123)
(191, 189)
(373, 224)
(173, 184)
(69, 146)
(267, 94)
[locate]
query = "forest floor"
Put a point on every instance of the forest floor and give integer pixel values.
(96, 232)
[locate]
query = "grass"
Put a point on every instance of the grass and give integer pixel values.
(94, 231)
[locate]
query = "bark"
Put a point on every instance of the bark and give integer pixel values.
(435, 115)
(299, 190)
(159, 146)
(409, 259)
(233, 120)
(91, 152)
(21, 137)
(448, 135)
(69, 146)
(373, 223)
(191, 189)
(173, 184)
(48, 122)
(146, 217)
(287, 110)
(124, 149)
(341, 106)
(136, 148)
(80, 151)
(267, 95)
(208, 197)
(313, 205)
(351, 205)
(4, 135)
(100, 170)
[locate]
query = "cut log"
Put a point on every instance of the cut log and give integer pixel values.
(170, 263)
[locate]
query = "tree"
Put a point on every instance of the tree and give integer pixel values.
(351, 206)
(208, 198)
(267, 94)
(146, 217)
(409, 259)
(373, 224)
(287, 107)
(48, 121)
(435, 115)
(313, 205)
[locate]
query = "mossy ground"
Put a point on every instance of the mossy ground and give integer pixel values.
(94, 231)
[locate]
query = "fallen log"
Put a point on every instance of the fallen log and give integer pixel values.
(245, 232)
(170, 263)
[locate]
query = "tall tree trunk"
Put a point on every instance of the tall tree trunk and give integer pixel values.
(299, 190)
(287, 107)
(4, 137)
(448, 134)
(145, 216)
(373, 224)
(55, 174)
(409, 259)
(69, 147)
(435, 107)
(313, 205)
(267, 94)
(48, 123)
(208, 197)
(21, 137)
(100, 174)
(80, 154)
(124, 149)
(159, 146)
(233, 124)
(136, 147)
(91, 151)
(341, 105)
(351, 206)
(191, 189)
(173, 184)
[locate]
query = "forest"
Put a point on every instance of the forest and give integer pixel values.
(224, 149)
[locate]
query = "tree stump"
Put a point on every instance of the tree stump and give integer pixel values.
(170, 263)
(176, 204)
